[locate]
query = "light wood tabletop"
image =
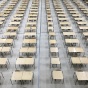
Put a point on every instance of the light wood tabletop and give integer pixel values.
(81, 76)
(25, 61)
(75, 60)
(71, 40)
(17, 75)
(52, 41)
(27, 75)
(84, 60)
(55, 61)
(53, 49)
(57, 75)
(29, 41)
(22, 75)
(3, 61)
(75, 49)
(6, 49)
(68, 33)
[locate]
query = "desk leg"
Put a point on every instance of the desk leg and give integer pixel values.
(11, 82)
(6, 66)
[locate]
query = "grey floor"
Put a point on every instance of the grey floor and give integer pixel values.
(42, 71)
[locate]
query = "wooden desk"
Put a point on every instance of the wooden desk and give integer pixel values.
(49, 19)
(6, 41)
(52, 34)
(16, 19)
(9, 41)
(17, 75)
(32, 50)
(50, 28)
(27, 76)
(32, 19)
(3, 15)
(53, 49)
(1, 22)
(68, 33)
(6, 49)
(21, 9)
(2, 19)
(31, 23)
(57, 75)
(50, 23)
(84, 60)
(33, 41)
(15, 23)
(76, 60)
(83, 28)
(55, 61)
(76, 15)
(24, 50)
(79, 19)
(33, 15)
(2, 41)
(63, 19)
(12, 29)
(72, 41)
(82, 23)
(30, 29)
(74, 12)
(3, 61)
(65, 23)
(52, 42)
(25, 61)
(67, 28)
(6, 12)
(10, 34)
(85, 34)
(28, 50)
(75, 49)
(61, 12)
(81, 76)
(62, 15)
(18, 15)
(20, 12)
(22, 76)
(30, 34)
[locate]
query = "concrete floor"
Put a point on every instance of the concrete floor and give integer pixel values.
(42, 71)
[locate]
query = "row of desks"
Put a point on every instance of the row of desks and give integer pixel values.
(27, 75)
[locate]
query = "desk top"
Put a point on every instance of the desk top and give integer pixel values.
(83, 27)
(52, 41)
(84, 60)
(55, 61)
(81, 75)
(76, 60)
(6, 49)
(68, 33)
(17, 75)
(10, 33)
(53, 49)
(57, 75)
(22, 75)
(75, 49)
(3, 61)
(25, 61)
(71, 40)
(51, 33)
(30, 33)
(29, 41)
(85, 33)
